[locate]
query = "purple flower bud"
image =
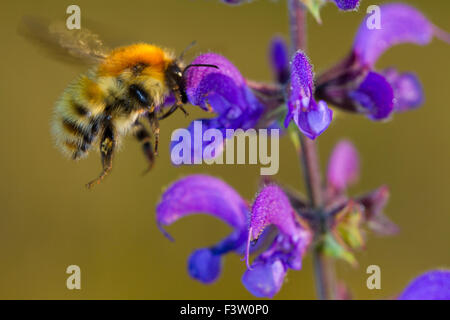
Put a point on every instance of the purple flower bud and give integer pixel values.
(265, 278)
(408, 92)
(433, 285)
(311, 118)
(343, 166)
(279, 59)
(347, 4)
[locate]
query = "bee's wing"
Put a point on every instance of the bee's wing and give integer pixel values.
(81, 44)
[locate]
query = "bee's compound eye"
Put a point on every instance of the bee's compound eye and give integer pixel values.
(139, 94)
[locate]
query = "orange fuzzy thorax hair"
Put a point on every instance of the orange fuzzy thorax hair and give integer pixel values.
(154, 58)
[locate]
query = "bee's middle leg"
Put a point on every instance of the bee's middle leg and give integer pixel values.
(107, 148)
(144, 137)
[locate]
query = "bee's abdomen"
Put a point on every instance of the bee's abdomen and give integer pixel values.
(77, 118)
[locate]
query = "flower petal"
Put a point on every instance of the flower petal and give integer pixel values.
(343, 166)
(204, 265)
(347, 4)
(315, 121)
(400, 23)
(204, 81)
(433, 285)
(202, 193)
(272, 206)
(265, 278)
(375, 96)
(223, 91)
(279, 59)
(408, 92)
(311, 118)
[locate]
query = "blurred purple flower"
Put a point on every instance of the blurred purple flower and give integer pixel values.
(206, 194)
(235, 1)
(353, 85)
(432, 285)
(343, 166)
(266, 274)
(311, 117)
(279, 59)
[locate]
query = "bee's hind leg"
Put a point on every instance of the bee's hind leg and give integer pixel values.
(107, 147)
(144, 137)
(154, 125)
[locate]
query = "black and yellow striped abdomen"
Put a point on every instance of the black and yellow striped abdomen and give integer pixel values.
(77, 116)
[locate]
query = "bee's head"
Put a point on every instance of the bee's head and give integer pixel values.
(175, 80)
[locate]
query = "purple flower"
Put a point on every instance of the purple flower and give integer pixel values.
(311, 117)
(206, 194)
(407, 90)
(354, 85)
(224, 91)
(266, 274)
(432, 285)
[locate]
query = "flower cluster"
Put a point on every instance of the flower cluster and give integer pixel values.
(279, 226)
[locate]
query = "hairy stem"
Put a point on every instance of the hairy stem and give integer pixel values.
(323, 266)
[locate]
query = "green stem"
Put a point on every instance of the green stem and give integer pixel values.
(323, 266)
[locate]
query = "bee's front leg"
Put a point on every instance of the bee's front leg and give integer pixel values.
(177, 105)
(107, 147)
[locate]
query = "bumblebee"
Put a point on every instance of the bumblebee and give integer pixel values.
(125, 88)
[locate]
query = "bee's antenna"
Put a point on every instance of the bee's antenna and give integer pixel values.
(200, 65)
(181, 56)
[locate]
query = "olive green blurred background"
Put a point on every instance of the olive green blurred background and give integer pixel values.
(48, 220)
